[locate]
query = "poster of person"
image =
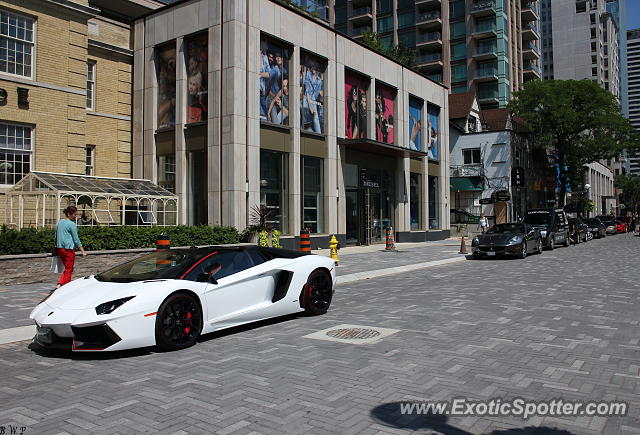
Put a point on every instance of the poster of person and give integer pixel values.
(415, 124)
(385, 104)
(197, 73)
(312, 71)
(166, 73)
(355, 92)
(274, 83)
(433, 131)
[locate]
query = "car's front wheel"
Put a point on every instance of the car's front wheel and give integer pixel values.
(317, 293)
(539, 248)
(523, 250)
(566, 240)
(178, 322)
(552, 243)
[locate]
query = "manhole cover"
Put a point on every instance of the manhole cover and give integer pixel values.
(353, 333)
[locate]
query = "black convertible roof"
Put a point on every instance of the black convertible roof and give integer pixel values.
(273, 252)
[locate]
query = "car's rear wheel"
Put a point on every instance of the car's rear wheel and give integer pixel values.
(552, 243)
(539, 248)
(317, 293)
(178, 322)
(566, 240)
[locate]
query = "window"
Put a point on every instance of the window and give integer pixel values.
(385, 24)
(415, 200)
(15, 152)
(91, 85)
(458, 89)
(406, 19)
(459, 73)
(471, 156)
(273, 187)
(312, 201)
(167, 172)
(456, 9)
(458, 51)
(89, 165)
(458, 30)
(16, 44)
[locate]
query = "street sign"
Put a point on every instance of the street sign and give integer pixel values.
(517, 176)
(485, 201)
(502, 196)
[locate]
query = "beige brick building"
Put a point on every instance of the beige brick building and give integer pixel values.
(65, 87)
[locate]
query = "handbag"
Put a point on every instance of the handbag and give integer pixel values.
(56, 265)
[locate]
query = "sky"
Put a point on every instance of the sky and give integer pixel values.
(633, 14)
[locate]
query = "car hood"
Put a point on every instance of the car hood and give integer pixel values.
(496, 239)
(88, 292)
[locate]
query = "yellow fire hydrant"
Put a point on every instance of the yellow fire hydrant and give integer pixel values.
(333, 247)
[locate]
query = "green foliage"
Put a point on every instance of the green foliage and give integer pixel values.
(275, 239)
(41, 240)
(630, 185)
(589, 206)
(400, 53)
(576, 121)
(263, 238)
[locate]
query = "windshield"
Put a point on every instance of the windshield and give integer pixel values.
(537, 219)
(169, 264)
(506, 229)
(593, 222)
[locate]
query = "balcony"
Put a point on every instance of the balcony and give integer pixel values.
(427, 40)
(428, 3)
(482, 8)
(530, 51)
(473, 170)
(530, 11)
(486, 96)
(359, 31)
(531, 71)
(361, 16)
(436, 77)
(485, 52)
(428, 20)
(429, 62)
(530, 31)
(486, 74)
(484, 30)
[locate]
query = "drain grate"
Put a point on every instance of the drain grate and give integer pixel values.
(353, 333)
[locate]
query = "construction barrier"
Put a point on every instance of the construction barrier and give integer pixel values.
(305, 241)
(463, 246)
(390, 245)
(163, 243)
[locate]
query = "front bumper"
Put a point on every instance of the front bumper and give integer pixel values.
(496, 251)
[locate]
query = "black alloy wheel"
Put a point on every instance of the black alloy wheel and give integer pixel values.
(317, 293)
(178, 322)
(523, 250)
(539, 247)
(566, 240)
(552, 243)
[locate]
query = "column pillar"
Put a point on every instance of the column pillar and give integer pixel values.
(214, 212)
(182, 166)
(295, 181)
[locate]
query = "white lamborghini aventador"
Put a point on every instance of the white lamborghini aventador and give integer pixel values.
(169, 298)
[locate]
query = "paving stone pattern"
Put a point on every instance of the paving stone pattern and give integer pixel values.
(563, 324)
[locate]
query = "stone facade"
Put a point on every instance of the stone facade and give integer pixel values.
(233, 136)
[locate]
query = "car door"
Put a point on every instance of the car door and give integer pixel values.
(239, 288)
(529, 236)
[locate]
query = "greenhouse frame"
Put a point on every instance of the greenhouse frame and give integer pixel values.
(38, 200)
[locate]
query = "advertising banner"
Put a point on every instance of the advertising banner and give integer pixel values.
(415, 124)
(197, 73)
(166, 74)
(274, 83)
(385, 105)
(433, 131)
(312, 71)
(355, 92)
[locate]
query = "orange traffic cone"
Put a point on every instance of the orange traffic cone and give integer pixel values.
(463, 247)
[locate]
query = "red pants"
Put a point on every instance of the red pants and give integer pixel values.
(68, 257)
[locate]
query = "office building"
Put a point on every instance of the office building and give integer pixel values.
(633, 74)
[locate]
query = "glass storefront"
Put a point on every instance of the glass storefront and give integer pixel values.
(434, 204)
(273, 187)
(415, 196)
(312, 199)
(167, 172)
(197, 187)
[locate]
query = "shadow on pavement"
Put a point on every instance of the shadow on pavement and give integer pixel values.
(389, 415)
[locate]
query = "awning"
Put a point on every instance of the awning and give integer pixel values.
(466, 183)
(372, 146)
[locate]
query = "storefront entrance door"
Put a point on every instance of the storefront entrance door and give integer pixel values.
(369, 212)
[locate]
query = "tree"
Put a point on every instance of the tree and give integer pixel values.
(400, 53)
(576, 121)
(630, 185)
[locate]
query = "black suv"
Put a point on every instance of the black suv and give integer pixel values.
(552, 224)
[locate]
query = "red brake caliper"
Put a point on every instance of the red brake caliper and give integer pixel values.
(188, 322)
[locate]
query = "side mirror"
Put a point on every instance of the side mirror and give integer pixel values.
(211, 271)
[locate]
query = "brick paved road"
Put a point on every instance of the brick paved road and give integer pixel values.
(560, 325)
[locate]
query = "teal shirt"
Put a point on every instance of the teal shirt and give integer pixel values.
(67, 235)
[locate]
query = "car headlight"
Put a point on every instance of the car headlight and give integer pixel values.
(475, 241)
(111, 306)
(543, 233)
(515, 240)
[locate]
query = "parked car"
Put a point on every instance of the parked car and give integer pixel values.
(610, 223)
(622, 225)
(580, 230)
(596, 227)
(552, 224)
(515, 239)
(463, 217)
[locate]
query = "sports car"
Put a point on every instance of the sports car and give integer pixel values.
(169, 298)
(514, 239)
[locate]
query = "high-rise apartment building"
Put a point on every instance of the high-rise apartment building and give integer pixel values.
(487, 46)
(633, 76)
(580, 41)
